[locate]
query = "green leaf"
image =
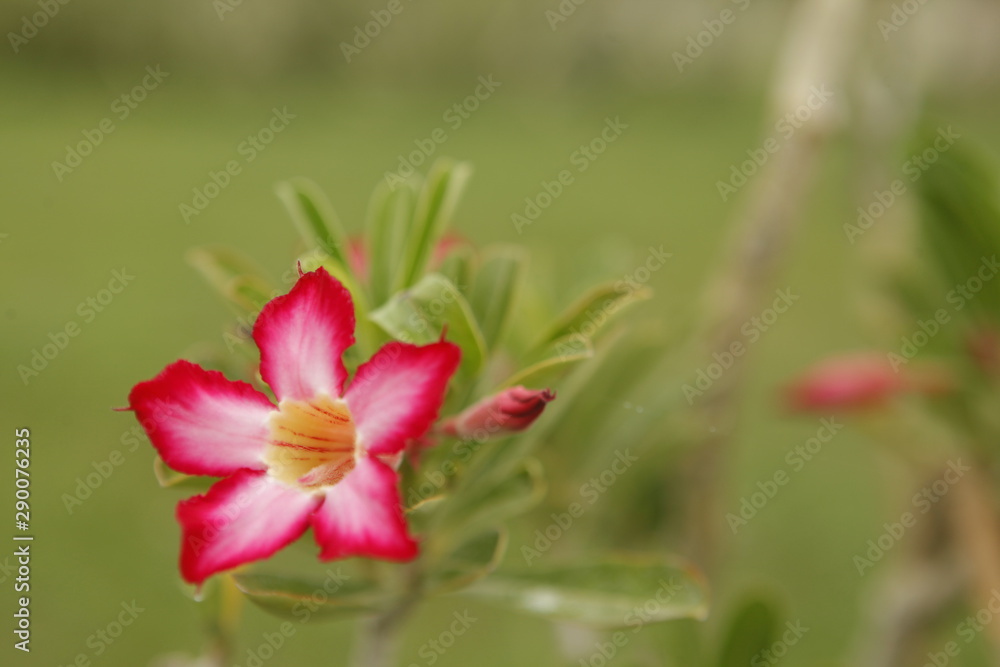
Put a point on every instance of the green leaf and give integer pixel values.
(551, 361)
(389, 215)
(457, 267)
(752, 630)
(419, 315)
(233, 275)
(483, 504)
(165, 476)
(250, 293)
(961, 218)
(469, 563)
(603, 594)
(435, 205)
(314, 217)
(304, 599)
(495, 289)
(593, 311)
(169, 478)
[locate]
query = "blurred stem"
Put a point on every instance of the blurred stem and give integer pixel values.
(223, 626)
(975, 519)
(816, 49)
(378, 642)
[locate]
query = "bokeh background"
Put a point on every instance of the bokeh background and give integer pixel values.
(230, 64)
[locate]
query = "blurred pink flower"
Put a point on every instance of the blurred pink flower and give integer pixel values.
(860, 380)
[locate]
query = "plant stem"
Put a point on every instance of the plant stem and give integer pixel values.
(815, 54)
(223, 626)
(379, 637)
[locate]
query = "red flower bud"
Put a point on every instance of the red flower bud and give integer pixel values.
(508, 411)
(861, 380)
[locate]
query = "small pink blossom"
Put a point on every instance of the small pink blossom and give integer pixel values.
(860, 380)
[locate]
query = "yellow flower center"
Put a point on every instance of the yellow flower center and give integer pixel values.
(312, 442)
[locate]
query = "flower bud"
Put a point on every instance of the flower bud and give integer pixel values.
(861, 380)
(506, 412)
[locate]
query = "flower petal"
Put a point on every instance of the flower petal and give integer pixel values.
(302, 336)
(363, 516)
(396, 395)
(200, 422)
(243, 518)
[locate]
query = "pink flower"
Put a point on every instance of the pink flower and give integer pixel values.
(323, 457)
(508, 411)
(861, 380)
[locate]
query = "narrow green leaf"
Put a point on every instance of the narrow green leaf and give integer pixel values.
(169, 478)
(961, 219)
(484, 505)
(420, 314)
(552, 360)
(593, 311)
(233, 275)
(603, 594)
(457, 267)
(470, 562)
(751, 631)
(495, 290)
(389, 214)
(435, 205)
(314, 217)
(165, 476)
(305, 599)
(250, 293)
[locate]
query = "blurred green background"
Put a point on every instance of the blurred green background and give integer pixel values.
(60, 243)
